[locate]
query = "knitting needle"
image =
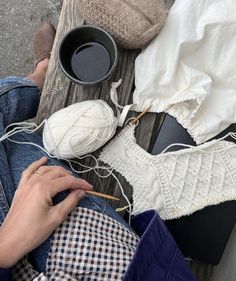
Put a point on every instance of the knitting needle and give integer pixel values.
(140, 115)
(102, 195)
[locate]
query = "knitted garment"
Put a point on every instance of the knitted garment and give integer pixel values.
(174, 183)
(133, 23)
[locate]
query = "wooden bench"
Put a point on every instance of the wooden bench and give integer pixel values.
(60, 92)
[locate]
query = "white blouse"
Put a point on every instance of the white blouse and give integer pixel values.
(189, 70)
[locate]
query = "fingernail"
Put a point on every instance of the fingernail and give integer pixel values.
(89, 186)
(80, 193)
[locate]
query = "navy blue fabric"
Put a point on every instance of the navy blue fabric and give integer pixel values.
(5, 274)
(157, 257)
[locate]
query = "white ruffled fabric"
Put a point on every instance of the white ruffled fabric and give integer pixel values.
(189, 70)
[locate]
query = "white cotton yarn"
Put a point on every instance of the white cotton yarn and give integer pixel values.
(79, 129)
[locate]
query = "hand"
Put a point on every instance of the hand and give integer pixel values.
(32, 216)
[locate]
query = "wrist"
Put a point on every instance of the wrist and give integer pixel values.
(9, 249)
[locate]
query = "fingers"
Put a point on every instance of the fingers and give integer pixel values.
(63, 209)
(32, 168)
(56, 179)
(68, 182)
(52, 172)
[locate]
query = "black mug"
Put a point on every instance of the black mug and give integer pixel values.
(88, 55)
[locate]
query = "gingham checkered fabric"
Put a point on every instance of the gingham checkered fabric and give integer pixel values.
(87, 246)
(90, 246)
(23, 271)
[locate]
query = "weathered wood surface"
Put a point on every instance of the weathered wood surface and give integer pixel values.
(59, 92)
(57, 86)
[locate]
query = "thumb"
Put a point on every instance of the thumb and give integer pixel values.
(64, 208)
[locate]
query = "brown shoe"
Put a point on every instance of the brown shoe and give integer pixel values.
(43, 42)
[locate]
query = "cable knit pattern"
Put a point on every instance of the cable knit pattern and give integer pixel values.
(174, 183)
(133, 23)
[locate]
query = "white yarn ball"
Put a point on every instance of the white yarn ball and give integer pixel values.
(79, 129)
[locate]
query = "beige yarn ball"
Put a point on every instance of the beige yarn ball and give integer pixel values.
(133, 23)
(79, 129)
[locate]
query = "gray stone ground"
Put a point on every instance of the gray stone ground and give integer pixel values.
(18, 21)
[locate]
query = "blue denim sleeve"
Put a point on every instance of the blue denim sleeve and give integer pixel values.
(19, 99)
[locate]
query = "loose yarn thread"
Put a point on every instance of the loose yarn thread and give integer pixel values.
(76, 131)
(230, 134)
(32, 127)
(80, 129)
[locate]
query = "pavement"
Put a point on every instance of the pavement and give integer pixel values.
(18, 21)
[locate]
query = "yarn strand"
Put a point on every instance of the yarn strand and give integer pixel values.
(230, 134)
(32, 127)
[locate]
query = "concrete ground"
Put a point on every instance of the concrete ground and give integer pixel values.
(18, 21)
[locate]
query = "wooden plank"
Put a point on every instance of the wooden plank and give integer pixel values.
(57, 85)
(125, 71)
(201, 270)
(56, 90)
(59, 92)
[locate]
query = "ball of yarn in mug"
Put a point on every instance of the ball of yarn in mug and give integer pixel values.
(79, 129)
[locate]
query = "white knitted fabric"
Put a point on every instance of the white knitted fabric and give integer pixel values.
(174, 183)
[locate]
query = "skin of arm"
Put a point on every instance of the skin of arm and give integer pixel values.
(32, 216)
